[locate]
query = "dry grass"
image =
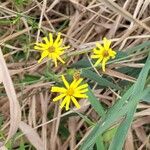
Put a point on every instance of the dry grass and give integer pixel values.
(25, 101)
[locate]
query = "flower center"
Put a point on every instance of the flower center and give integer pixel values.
(70, 92)
(105, 53)
(51, 49)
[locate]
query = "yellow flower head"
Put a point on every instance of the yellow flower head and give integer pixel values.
(70, 92)
(103, 53)
(51, 48)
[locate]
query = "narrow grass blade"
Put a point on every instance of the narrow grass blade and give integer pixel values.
(138, 47)
(99, 80)
(134, 96)
(146, 98)
(86, 119)
(121, 133)
(100, 143)
(95, 103)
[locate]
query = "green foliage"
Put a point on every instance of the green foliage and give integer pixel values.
(30, 79)
(22, 145)
(86, 119)
(98, 79)
(21, 2)
(95, 103)
(126, 106)
(63, 130)
(109, 134)
(145, 45)
(100, 143)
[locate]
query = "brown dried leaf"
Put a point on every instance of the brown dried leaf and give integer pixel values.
(119, 75)
(32, 136)
(15, 110)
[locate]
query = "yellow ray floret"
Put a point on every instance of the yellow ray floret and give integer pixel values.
(103, 53)
(51, 48)
(70, 92)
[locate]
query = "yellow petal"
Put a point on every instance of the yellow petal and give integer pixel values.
(63, 102)
(53, 55)
(59, 97)
(65, 81)
(43, 55)
(39, 48)
(78, 95)
(99, 46)
(113, 57)
(75, 85)
(107, 43)
(112, 53)
(81, 91)
(94, 56)
(72, 84)
(46, 40)
(58, 52)
(68, 103)
(57, 39)
(55, 61)
(98, 62)
(51, 39)
(75, 102)
(95, 51)
(66, 99)
(59, 58)
(65, 47)
(50, 56)
(60, 43)
(40, 44)
(82, 86)
(104, 64)
(58, 89)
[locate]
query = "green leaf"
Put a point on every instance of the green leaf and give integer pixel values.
(100, 143)
(138, 48)
(30, 78)
(129, 99)
(120, 135)
(146, 98)
(109, 134)
(95, 103)
(22, 146)
(86, 119)
(124, 126)
(120, 54)
(98, 79)
(1, 120)
(63, 131)
(83, 63)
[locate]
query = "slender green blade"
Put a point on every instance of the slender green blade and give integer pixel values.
(138, 47)
(100, 143)
(99, 80)
(86, 119)
(146, 98)
(120, 135)
(95, 103)
(134, 96)
(122, 131)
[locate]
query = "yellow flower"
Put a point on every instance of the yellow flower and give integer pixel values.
(70, 92)
(51, 48)
(103, 53)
